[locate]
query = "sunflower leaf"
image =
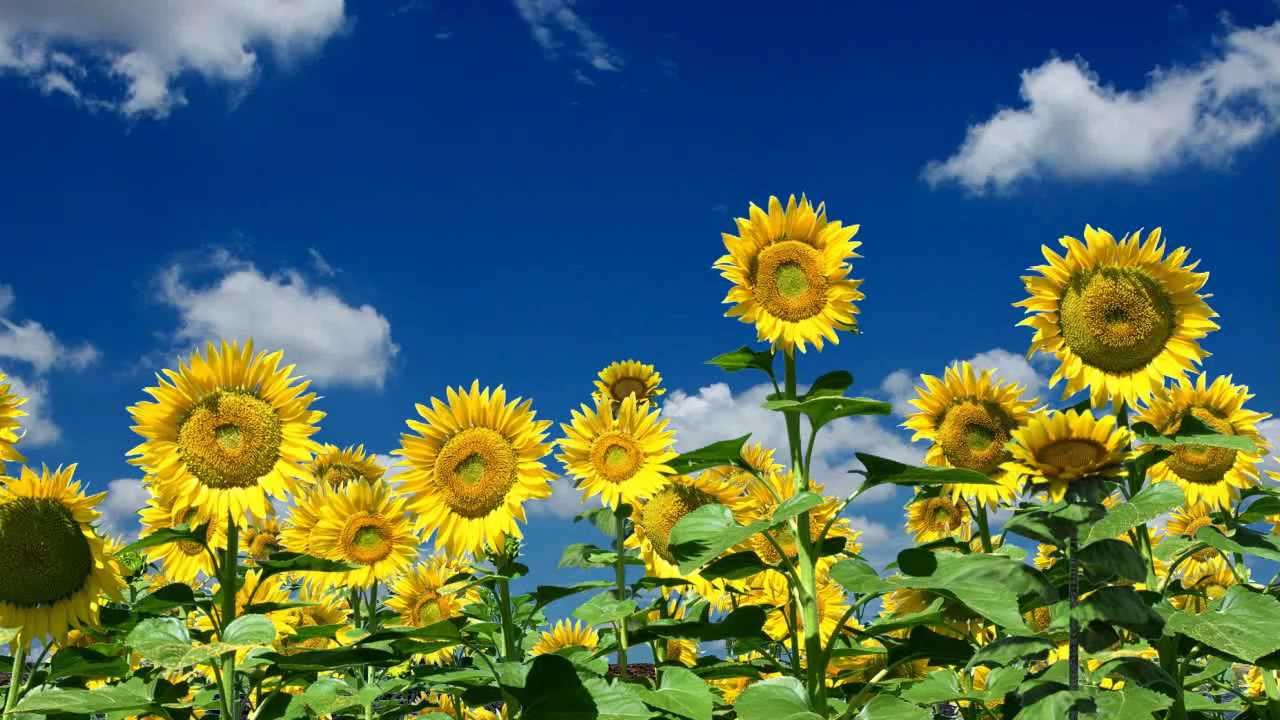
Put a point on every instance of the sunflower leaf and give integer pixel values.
(888, 707)
(1242, 625)
(1148, 504)
(604, 608)
(1243, 540)
(680, 693)
(1193, 431)
(829, 384)
(744, 358)
(822, 409)
(546, 594)
(290, 562)
(702, 535)
(717, 454)
(164, 536)
(880, 471)
(780, 698)
(133, 694)
(990, 585)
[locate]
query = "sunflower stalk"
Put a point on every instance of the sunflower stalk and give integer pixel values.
(509, 650)
(984, 526)
(620, 576)
(19, 650)
(1073, 637)
(230, 573)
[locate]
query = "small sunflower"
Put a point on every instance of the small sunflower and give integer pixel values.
(54, 568)
(1186, 521)
(1119, 316)
(425, 596)
(622, 458)
(335, 466)
(936, 518)
(261, 538)
(228, 431)
(472, 465)
(969, 416)
(324, 607)
(1059, 448)
(566, 634)
(186, 561)
(367, 526)
(1210, 475)
(790, 273)
(627, 378)
(303, 517)
(10, 403)
(1202, 589)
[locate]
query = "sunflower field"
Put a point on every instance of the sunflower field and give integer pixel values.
(1111, 558)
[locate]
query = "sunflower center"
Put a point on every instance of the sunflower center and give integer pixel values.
(789, 281)
(474, 471)
(366, 539)
(627, 386)
(191, 548)
(973, 435)
(1203, 464)
(230, 439)
(1116, 319)
(44, 555)
(664, 510)
(943, 517)
(616, 457)
(1070, 455)
(339, 474)
(427, 610)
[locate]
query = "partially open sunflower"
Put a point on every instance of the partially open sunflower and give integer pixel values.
(1119, 316)
(324, 606)
(228, 431)
(1187, 521)
(629, 378)
(10, 404)
(1055, 449)
(335, 466)
(366, 525)
(566, 634)
(428, 594)
(620, 456)
(186, 561)
(790, 273)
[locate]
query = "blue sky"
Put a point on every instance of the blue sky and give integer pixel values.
(409, 197)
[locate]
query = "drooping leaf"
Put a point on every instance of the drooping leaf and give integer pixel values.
(604, 608)
(586, 555)
(832, 383)
(1112, 559)
(86, 663)
(937, 687)
(682, 693)
(744, 358)
(1011, 649)
(613, 701)
(744, 623)
(1242, 625)
(167, 642)
(822, 409)
(552, 689)
(717, 454)
(133, 694)
(990, 585)
(292, 562)
(1148, 504)
(166, 598)
(734, 566)
(1121, 606)
(546, 594)
(164, 536)
(881, 471)
(780, 698)
(249, 630)
(857, 576)
(704, 534)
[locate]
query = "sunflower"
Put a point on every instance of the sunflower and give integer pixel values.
(54, 568)
(1059, 448)
(185, 561)
(335, 466)
(683, 651)
(227, 431)
(324, 608)
(303, 517)
(1119, 316)
(622, 458)
(256, 590)
(1210, 475)
(790, 274)
(9, 414)
(1186, 521)
(261, 538)
(621, 380)
(1256, 685)
(1210, 584)
(566, 634)
(654, 519)
(366, 525)
(772, 590)
(937, 518)
(769, 491)
(425, 596)
(968, 416)
(472, 465)
(1046, 556)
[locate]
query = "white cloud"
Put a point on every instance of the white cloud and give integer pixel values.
(880, 543)
(565, 501)
(79, 48)
(1072, 125)
(38, 426)
(120, 508)
(331, 341)
(1270, 431)
(899, 385)
(550, 20)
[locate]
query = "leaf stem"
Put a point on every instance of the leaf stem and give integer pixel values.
(230, 575)
(984, 526)
(620, 575)
(19, 648)
(509, 651)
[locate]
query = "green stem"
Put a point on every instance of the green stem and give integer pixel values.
(620, 576)
(794, 626)
(806, 556)
(19, 649)
(1073, 631)
(1173, 665)
(509, 651)
(353, 599)
(984, 527)
(230, 574)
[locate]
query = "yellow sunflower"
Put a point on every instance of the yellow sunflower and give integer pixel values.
(54, 568)
(257, 591)
(228, 431)
(261, 538)
(425, 596)
(335, 466)
(1256, 685)
(969, 416)
(325, 607)
(366, 525)
(472, 465)
(936, 518)
(1210, 475)
(622, 458)
(1119, 316)
(1186, 521)
(1046, 556)
(9, 414)
(771, 490)
(772, 590)
(628, 378)
(790, 273)
(186, 561)
(654, 519)
(303, 517)
(1203, 588)
(1059, 448)
(566, 634)
(675, 650)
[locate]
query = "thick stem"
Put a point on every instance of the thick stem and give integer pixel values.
(509, 651)
(1073, 639)
(984, 526)
(230, 574)
(620, 576)
(19, 649)
(1172, 664)
(806, 557)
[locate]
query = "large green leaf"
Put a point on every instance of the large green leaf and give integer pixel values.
(1193, 432)
(1148, 504)
(166, 598)
(780, 698)
(1120, 605)
(164, 536)
(704, 534)
(133, 694)
(613, 701)
(546, 594)
(1113, 559)
(86, 663)
(680, 693)
(552, 690)
(990, 585)
(1131, 703)
(937, 687)
(604, 608)
(857, 576)
(888, 707)
(881, 471)
(167, 643)
(1243, 540)
(717, 454)
(735, 566)
(1011, 649)
(743, 623)
(744, 358)
(1242, 625)
(824, 408)
(828, 384)
(292, 562)
(249, 630)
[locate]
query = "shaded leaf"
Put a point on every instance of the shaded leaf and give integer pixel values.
(1242, 625)
(888, 707)
(1148, 504)
(1111, 559)
(857, 576)
(717, 454)
(1011, 649)
(680, 693)
(1243, 540)
(780, 698)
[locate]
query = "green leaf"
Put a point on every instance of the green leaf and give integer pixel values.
(547, 594)
(1193, 432)
(744, 358)
(613, 701)
(780, 698)
(746, 622)
(880, 471)
(1243, 540)
(604, 608)
(824, 408)
(133, 694)
(717, 454)
(1057, 705)
(249, 630)
(857, 576)
(1148, 504)
(164, 536)
(680, 693)
(86, 663)
(586, 555)
(292, 562)
(735, 566)
(1121, 606)
(1131, 703)
(990, 585)
(552, 690)
(938, 687)
(832, 383)
(1260, 509)
(931, 615)
(888, 707)
(1243, 625)
(1113, 559)
(166, 598)
(602, 518)
(1011, 649)
(166, 641)
(704, 534)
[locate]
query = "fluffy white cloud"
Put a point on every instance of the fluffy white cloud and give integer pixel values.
(80, 48)
(899, 385)
(880, 543)
(1072, 125)
(565, 501)
(333, 342)
(551, 20)
(38, 425)
(120, 508)
(1270, 430)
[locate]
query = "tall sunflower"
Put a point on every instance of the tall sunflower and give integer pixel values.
(628, 378)
(472, 465)
(566, 634)
(54, 568)
(790, 273)
(428, 593)
(10, 403)
(185, 561)
(368, 526)
(335, 466)
(969, 416)
(622, 458)
(936, 518)
(1119, 316)
(1059, 448)
(228, 431)
(1210, 475)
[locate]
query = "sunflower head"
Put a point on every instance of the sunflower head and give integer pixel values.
(185, 561)
(936, 518)
(790, 273)
(1056, 449)
(262, 538)
(323, 608)
(1201, 589)
(429, 594)
(54, 567)
(367, 526)
(628, 378)
(227, 431)
(1120, 316)
(10, 410)
(566, 634)
(619, 456)
(335, 466)
(1187, 521)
